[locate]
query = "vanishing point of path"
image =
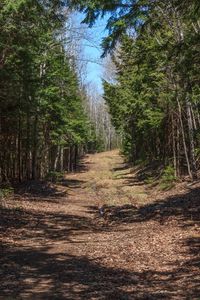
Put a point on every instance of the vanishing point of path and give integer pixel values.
(55, 244)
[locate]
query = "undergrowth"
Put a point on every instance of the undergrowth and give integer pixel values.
(168, 178)
(54, 176)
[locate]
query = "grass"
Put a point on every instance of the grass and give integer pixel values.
(168, 179)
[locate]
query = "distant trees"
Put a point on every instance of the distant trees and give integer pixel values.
(104, 137)
(154, 100)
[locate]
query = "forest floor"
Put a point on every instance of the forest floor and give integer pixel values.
(55, 244)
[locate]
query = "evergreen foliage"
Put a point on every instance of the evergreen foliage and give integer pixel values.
(154, 102)
(43, 127)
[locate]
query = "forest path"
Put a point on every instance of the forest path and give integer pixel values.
(55, 245)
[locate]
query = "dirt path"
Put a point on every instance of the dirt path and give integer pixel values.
(55, 245)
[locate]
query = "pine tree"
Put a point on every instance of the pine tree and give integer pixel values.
(42, 124)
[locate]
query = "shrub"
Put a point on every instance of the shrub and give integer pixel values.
(6, 192)
(54, 176)
(168, 178)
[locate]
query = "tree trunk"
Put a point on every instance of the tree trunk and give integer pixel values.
(174, 146)
(56, 159)
(19, 148)
(184, 140)
(191, 139)
(34, 153)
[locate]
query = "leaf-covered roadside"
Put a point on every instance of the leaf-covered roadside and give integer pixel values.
(55, 244)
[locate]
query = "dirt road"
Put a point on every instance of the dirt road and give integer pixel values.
(55, 244)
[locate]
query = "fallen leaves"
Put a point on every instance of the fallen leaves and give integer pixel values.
(58, 246)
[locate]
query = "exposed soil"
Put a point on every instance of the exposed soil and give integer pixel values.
(100, 234)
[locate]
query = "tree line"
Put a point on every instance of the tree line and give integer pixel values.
(44, 125)
(154, 98)
(105, 137)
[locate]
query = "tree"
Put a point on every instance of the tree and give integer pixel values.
(156, 77)
(42, 124)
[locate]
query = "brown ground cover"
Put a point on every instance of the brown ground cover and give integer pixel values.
(55, 244)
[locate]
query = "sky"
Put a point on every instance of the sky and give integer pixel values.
(91, 47)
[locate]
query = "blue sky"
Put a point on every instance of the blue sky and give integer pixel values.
(92, 53)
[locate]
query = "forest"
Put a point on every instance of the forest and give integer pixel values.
(46, 119)
(99, 177)
(152, 97)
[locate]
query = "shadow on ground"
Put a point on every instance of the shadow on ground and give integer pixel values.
(41, 191)
(185, 209)
(36, 188)
(36, 274)
(122, 167)
(139, 173)
(72, 183)
(39, 269)
(83, 165)
(45, 226)
(32, 272)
